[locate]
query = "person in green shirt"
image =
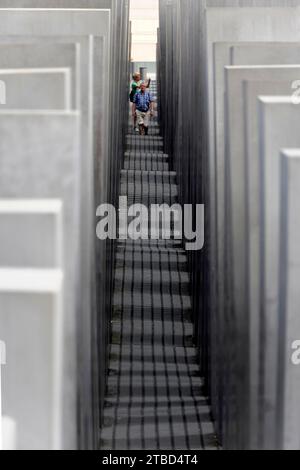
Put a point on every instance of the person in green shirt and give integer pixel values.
(135, 85)
(135, 88)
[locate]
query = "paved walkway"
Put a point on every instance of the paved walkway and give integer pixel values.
(155, 395)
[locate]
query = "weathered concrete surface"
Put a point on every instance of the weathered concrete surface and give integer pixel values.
(31, 233)
(236, 226)
(36, 88)
(65, 4)
(95, 27)
(31, 322)
(104, 54)
(278, 129)
(44, 162)
(232, 54)
(40, 54)
(252, 242)
(190, 31)
(289, 320)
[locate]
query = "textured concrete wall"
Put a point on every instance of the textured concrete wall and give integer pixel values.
(48, 146)
(102, 69)
(288, 420)
(197, 40)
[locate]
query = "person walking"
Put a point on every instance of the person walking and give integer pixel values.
(135, 88)
(135, 85)
(142, 109)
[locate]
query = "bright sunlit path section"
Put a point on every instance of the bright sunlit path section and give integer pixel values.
(144, 20)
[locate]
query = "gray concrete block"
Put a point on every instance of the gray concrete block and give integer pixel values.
(37, 55)
(36, 88)
(93, 26)
(65, 22)
(31, 322)
(252, 240)
(44, 162)
(277, 53)
(189, 31)
(65, 4)
(238, 194)
(278, 129)
(231, 24)
(280, 53)
(92, 23)
(234, 54)
(102, 133)
(289, 320)
(243, 24)
(219, 55)
(31, 233)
